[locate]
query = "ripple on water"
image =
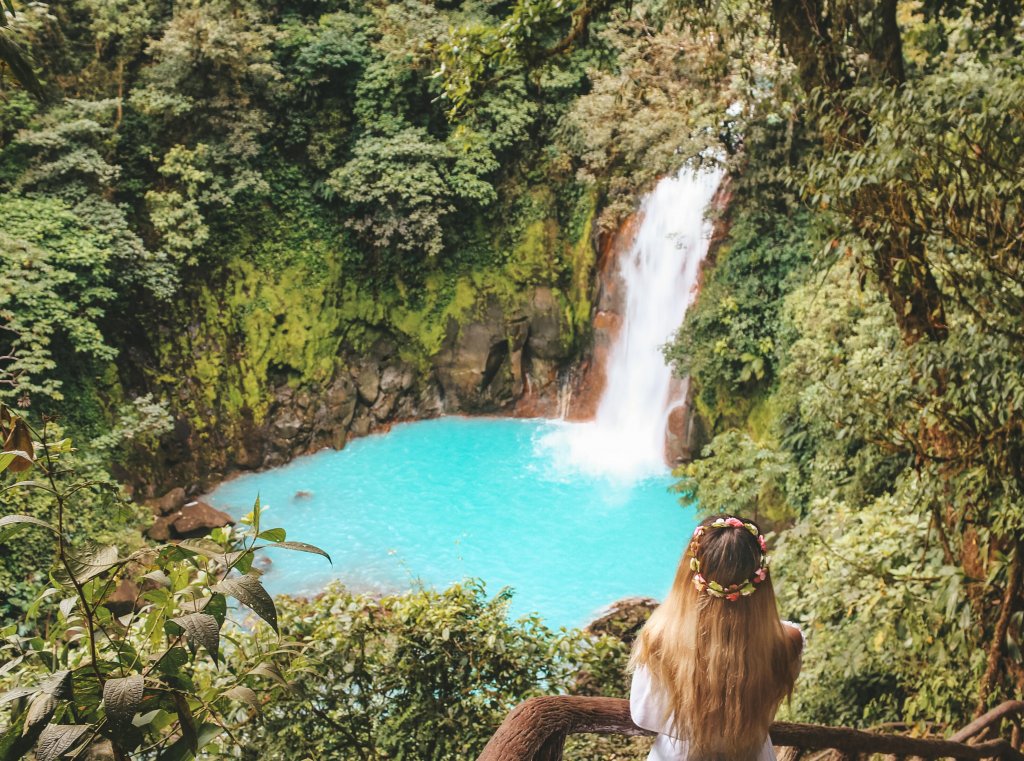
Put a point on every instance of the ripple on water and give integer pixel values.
(441, 500)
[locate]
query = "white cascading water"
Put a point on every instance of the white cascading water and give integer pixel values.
(626, 439)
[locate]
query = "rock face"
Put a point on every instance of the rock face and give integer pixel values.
(623, 619)
(502, 351)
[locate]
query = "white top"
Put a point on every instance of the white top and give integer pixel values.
(647, 707)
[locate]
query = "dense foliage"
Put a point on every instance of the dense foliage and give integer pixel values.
(111, 648)
(425, 675)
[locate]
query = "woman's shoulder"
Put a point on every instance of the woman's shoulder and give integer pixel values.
(796, 634)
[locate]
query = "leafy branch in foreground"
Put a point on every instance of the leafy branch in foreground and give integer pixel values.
(145, 668)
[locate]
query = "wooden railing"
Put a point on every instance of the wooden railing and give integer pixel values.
(536, 731)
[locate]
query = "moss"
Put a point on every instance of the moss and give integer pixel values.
(583, 259)
(764, 414)
(535, 259)
(255, 326)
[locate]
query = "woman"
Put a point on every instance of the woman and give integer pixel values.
(714, 661)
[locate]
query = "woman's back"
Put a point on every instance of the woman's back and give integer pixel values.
(714, 661)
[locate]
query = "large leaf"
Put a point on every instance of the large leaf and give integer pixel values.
(16, 693)
(57, 739)
(270, 669)
(58, 684)
(39, 711)
(215, 605)
(303, 547)
(10, 523)
(201, 629)
(202, 546)
(249, 590)
(122, 698)
(89, 560)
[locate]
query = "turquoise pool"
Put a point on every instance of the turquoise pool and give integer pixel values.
(437, 501)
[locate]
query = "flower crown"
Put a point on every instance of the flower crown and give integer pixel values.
(732, 592)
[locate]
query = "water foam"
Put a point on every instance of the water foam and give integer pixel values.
(626, 439)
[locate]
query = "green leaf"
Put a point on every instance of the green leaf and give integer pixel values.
(201, 629)
(303, 547)
(57, 739)
(272, 535)
(249, 591)
(122, 698)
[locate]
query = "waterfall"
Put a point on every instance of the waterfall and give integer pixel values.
(626, 439)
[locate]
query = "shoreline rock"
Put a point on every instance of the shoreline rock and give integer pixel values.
(623, 619)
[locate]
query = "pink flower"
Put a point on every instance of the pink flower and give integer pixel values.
(761, 575)
(733, 597)
(763, 543)
(735, 522)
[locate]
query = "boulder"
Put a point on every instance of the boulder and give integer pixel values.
(124, 599)
(160, 531)
(168, 503)
(368, 383)
(361, 425)
(384, 406)
(287, 423)
(198, 519)
(341, 400)
(396, 378)
(623, 619)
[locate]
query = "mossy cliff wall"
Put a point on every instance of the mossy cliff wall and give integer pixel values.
(273, 359)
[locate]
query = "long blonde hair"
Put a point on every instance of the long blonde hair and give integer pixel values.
(724, 666)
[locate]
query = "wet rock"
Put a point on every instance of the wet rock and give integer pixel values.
(687, 433)
(198, 519)
(168, 503)
(623, 619)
